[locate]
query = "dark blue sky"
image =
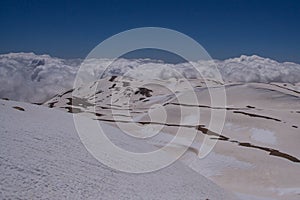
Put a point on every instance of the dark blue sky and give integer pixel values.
(225, 29)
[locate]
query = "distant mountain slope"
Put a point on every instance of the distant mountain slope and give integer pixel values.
(257, 151)
(36, 78)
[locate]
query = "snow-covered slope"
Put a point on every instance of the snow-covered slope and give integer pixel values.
(36, 78)
(258, 151)
(42, 157)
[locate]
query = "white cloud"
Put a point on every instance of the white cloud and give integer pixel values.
(258, 69)
(36, 78)
(32, 78)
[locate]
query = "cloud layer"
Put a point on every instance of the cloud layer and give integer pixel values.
(36, 78)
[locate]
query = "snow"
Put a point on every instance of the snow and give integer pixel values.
(260, 145)
(42, 158)
(252, 197)
(284, 191)
(40, 144)
(263, 135)
(214, 164)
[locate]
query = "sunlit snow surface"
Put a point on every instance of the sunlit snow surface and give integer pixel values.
(42, 157)
(257, 155)
(264, 136)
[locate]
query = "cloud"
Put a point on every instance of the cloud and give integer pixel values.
(31, 78)
(258, 69)
(36, 78)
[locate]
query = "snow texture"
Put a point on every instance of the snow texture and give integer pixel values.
(42, 157)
